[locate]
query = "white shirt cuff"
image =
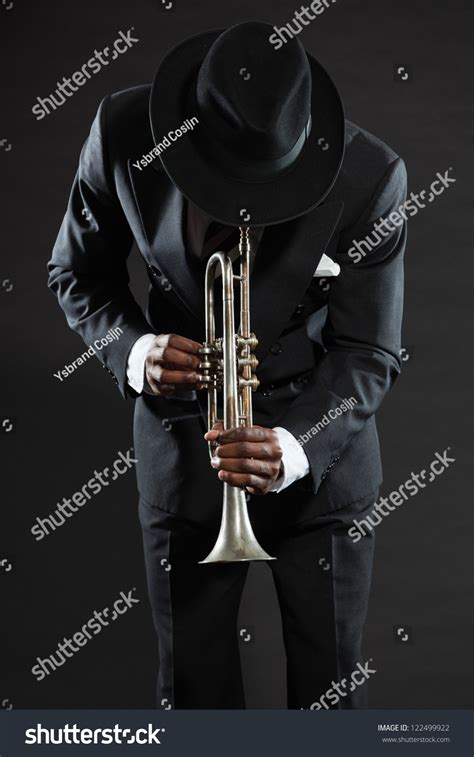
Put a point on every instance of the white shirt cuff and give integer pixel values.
(136, 362)
(294, 460)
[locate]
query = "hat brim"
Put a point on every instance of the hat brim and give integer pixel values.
(207, 184)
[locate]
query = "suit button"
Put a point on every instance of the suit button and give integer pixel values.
(165, 284)
(299, 310)
(155, 271)
(268, 390)
(276, 348)
(332, 464)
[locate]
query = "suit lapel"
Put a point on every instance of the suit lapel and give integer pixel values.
(286, 260)
(161, 209)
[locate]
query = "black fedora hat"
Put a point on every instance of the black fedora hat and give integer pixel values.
(251, 135)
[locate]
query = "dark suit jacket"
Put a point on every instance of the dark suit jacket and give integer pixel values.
(316, 347)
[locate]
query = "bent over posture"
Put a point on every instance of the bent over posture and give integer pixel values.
(236, 133)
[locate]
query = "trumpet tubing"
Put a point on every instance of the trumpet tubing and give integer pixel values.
(229, 365)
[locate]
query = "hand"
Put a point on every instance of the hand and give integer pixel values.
(172, 363)
(247, 457)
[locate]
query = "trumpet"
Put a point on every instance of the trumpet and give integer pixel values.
(229, 365)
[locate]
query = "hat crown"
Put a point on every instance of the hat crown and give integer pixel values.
(251, 97)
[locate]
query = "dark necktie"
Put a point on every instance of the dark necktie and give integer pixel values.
(219, 237)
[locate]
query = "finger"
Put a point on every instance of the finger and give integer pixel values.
(172, 358)
(178, 343)
(252, 434)
(243, 480)
(238, 465)
(158, 389)
(259, 450)
(166, 389)
(165, 376)
(214, 432)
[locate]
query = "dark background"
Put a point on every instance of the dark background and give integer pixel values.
(63, 431)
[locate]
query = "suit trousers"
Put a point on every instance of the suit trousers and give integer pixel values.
(322, 579)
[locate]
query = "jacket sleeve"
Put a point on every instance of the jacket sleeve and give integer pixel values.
(88, 269)
(361, 335)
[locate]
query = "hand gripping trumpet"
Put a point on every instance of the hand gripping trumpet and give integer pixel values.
(229, 365)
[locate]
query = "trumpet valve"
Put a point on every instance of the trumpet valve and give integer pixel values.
(211, 367)
(206, 349)
(251, 360)
(252, 382)
(250, 341)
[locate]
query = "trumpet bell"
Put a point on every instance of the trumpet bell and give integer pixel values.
(236, 541)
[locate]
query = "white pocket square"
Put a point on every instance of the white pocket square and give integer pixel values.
(327, 267)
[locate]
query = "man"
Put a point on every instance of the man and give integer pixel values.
(249, 136)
